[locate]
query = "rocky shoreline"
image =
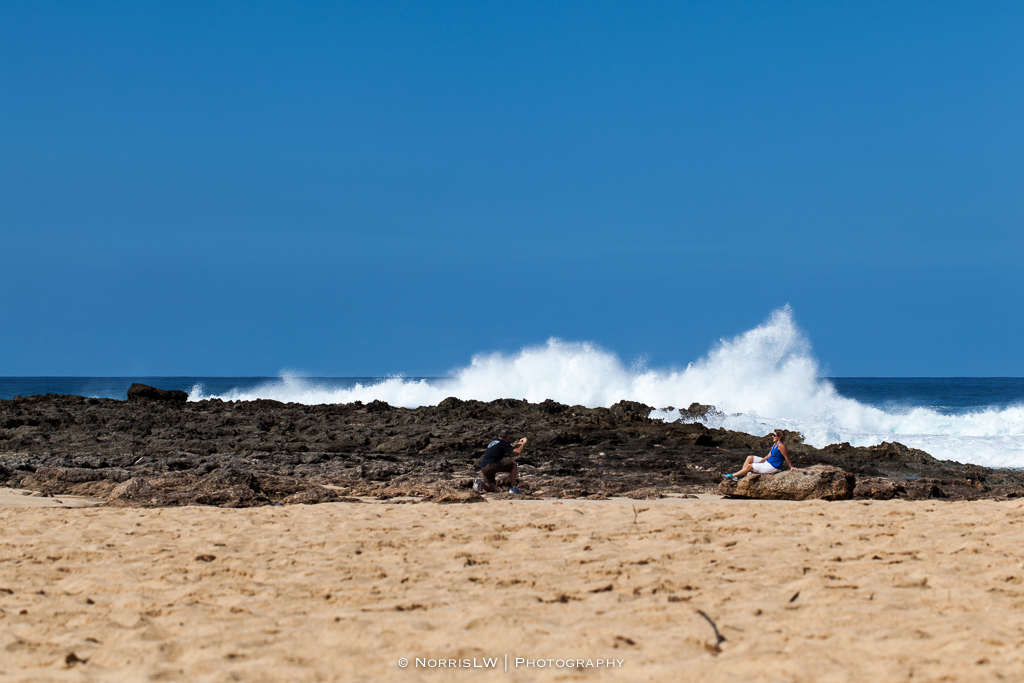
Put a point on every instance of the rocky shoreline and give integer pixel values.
(156, 449)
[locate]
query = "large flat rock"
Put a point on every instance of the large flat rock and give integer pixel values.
(822, 482)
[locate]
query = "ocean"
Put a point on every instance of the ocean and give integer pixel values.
(763, 379)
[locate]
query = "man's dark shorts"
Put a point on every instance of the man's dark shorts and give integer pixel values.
(489, 471)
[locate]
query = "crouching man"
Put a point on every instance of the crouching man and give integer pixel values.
(495, 460)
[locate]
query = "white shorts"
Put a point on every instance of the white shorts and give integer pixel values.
(764, 468)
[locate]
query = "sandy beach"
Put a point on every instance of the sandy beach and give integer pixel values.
(801, 591)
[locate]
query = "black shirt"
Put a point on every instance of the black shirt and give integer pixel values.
(496, 450)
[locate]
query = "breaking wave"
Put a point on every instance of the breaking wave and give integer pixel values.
(764, 378)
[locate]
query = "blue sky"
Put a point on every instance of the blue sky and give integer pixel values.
(370, 188)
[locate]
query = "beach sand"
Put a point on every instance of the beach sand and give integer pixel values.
(23, 498)
(808, 591)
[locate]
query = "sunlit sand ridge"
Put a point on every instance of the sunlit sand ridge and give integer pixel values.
(812, 591)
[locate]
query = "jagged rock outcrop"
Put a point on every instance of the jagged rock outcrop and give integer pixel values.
(143, 392)
(265, 452)
(875, 488)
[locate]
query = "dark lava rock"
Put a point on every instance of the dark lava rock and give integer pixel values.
(266, 452)
(74, 475)
(698, 411)
(143, 392)
(875, 488)
(225, 477)
(378, 407)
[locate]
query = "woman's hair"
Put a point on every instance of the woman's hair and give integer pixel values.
(781, 434)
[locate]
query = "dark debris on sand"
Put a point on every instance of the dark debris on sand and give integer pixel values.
(157, 450)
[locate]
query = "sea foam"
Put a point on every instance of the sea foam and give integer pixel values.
(762, 379)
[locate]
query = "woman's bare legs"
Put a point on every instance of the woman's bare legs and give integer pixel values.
(748, 466)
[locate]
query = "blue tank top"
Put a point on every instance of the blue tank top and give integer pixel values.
(775, 458)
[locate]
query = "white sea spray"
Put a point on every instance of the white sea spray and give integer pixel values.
(762, 379)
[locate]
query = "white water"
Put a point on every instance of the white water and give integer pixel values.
(759, 380)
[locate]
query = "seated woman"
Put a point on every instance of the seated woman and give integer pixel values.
(769, 465)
